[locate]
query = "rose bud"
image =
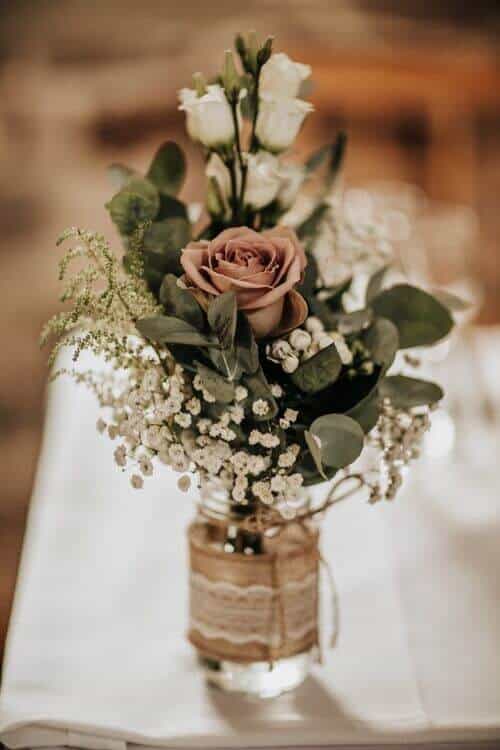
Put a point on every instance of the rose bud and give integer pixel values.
(262, 269)
(262, 184)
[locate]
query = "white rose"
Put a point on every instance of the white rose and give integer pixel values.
(208, 117)
(292, 176)
(279, 121)
(262, 183)
(282, 76)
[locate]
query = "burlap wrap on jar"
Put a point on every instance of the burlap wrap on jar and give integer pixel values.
(248, 608)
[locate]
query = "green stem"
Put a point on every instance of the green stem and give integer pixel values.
(242, 164)
(253, 138)
(230, 164)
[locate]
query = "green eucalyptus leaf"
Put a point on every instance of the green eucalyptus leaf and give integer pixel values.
(180, 302)
(220, 388)
(341, 439)
(168, 235)
(259, 389)
(165, 329)
(226, 362)
(314, 445)
(247, 351)
(318, 158)
(405, 393)
(375, 282)
(171, 207)
(420, 319)
(366, 412)
(319, 371)
(307, 467)
(168, 168)
(333, 295)
(353, 322)
(310, 226)
(222, 317)
(136, 203)
(382, 340)
(308, 286)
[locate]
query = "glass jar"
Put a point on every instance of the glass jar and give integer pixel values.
(253, 601)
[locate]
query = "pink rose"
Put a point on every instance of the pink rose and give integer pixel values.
(262, 268)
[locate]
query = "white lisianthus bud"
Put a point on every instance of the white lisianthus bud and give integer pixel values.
(292, 176)
(262, 183)
(208, 117)
(282, 76)
(263, 180)
(279, 121)
(290, 364)
(218, 196)
(300, 340)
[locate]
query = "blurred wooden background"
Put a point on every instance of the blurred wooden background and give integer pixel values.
(84, 83)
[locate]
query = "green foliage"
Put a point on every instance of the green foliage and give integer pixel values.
(319, 371)
(420, 319)
(341, 440)
(375, 282)
(168, 168)
(406, 393)
(353, 322)
(366, 412)
(180, 302)
(104, 302)
(382, 341)
(137, 202)
(222, 317)
(165, 329)
(220, 388)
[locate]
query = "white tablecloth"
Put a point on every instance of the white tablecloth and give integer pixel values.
(96, 655)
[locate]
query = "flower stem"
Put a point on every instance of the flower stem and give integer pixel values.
(241, 161)
(253, 138)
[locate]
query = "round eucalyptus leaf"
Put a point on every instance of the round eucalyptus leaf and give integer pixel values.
(405, 393)
(341, 439)
(319, 371)
(168, 168)
(419, 317)
(136, 203)
(382, 340)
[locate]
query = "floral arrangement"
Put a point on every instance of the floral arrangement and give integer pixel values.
(258, 350)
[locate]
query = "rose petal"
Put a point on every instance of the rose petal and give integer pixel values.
(295, 312)
(192, 259)
(288, 233)
(265, 320)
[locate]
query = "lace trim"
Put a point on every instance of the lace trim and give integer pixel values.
(256, 613)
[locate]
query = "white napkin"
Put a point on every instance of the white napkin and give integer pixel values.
(96, 655)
